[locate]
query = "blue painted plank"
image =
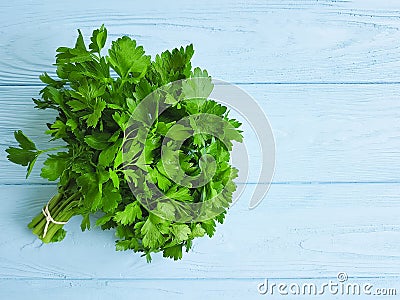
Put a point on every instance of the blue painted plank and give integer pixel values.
(324, 133)
(255, 41)
(191, 289)
(298, 231)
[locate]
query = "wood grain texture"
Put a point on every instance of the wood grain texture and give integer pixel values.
(196, 289)
(279, 41)
(329, 133)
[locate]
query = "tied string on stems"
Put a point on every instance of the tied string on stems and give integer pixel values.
(49, 219)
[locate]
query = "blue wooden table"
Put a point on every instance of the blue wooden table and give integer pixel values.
(326, 73)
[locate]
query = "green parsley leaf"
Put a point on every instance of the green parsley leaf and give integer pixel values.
(131, 213)
(23, 141)
(54, 166)
(181, 232)
(174, 252)
(152, 236)
(128, 59)
(98, 39)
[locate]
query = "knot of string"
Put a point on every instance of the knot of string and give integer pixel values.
(49, 219)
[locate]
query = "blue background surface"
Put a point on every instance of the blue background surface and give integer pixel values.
(326, 73)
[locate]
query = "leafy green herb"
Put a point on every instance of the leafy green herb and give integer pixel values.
(95, 96)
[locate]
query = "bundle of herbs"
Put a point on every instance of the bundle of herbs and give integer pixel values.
(107, 167)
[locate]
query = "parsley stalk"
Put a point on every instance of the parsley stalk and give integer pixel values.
(62, 207)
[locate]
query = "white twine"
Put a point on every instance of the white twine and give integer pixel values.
(49, 219)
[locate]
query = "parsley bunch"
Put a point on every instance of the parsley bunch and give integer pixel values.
(96, 98)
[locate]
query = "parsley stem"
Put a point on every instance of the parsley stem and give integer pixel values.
(52, 149)
(61, 208)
